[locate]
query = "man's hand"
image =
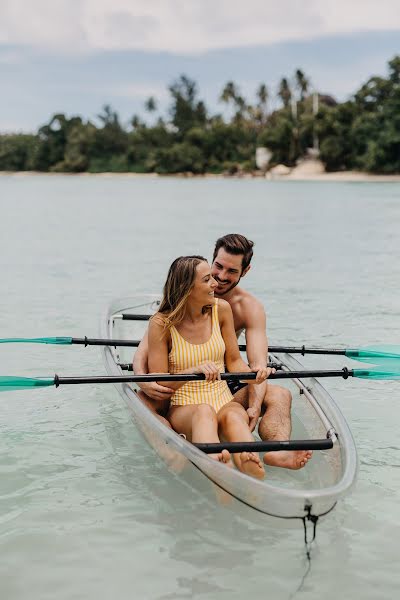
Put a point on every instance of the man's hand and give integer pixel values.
(156, 391)
(263, 372)
(254, 414)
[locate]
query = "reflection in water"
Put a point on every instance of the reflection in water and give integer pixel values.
(229, 542)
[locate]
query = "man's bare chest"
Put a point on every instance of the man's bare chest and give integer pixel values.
(239, 320)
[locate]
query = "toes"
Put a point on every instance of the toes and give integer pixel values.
(225, 456)
(250, 456)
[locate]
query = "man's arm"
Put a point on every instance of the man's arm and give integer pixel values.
(256, 336)
(257, 355)
(141, 367)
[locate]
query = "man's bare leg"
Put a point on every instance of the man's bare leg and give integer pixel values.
(157, 407)
(276, 424)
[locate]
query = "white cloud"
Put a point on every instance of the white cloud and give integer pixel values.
(134, 91)
(185, 26)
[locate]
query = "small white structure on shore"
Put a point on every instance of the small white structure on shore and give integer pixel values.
(263, 156)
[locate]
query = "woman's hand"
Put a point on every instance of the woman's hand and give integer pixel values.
(210, 370)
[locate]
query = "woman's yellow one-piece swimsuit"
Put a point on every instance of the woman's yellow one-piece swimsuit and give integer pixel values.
(184, 355)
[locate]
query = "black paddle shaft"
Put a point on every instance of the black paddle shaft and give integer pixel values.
(85, 341)
(271, 446)
(245, 376)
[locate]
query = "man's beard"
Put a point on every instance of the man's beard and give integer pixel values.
(225, 291)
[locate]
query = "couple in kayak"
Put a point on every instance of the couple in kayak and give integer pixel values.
(194, 331)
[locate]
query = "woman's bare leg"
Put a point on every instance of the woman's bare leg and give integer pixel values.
(198, 422)
(233, 423)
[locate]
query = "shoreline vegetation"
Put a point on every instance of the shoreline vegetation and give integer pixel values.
(300, 134)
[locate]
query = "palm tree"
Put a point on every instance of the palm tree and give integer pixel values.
(229, 93)
(284, 92)
(262, 97)
(302, 83)
(150, 104)
(136, 122)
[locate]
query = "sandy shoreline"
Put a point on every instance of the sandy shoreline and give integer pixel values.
(343, 176)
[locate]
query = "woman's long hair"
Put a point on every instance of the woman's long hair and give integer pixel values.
(180, 281)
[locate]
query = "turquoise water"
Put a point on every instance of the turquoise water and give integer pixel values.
(86, 509)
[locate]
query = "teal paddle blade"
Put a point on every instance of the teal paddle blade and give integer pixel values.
(23, 383)
(377, 373)
(375, 354)
(44, 340)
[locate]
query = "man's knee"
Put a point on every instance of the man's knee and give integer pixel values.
(276, 394)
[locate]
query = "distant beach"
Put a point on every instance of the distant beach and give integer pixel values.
(296, 174)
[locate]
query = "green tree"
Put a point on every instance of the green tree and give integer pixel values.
(109, 144)
(17, 152)
(333, 127)
(302, 84)
(76, 154)
(284, 92)
(53, 140)
(278, 137)
(231, 96)
(151, 104)
(186, 110)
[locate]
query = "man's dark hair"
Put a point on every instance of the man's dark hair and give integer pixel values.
(234, 243)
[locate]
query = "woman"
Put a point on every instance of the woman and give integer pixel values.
(193, 333)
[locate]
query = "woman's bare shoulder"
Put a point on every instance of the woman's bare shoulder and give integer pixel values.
(158, 326)
(224, 308)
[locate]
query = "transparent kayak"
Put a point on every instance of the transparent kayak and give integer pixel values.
(313, 490)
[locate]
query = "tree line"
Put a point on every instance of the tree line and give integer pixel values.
(362, 133)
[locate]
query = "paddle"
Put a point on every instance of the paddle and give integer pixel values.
(18, 383)
(265, 446)
(129, 366)
(372, 354)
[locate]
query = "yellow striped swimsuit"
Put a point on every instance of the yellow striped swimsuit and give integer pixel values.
(184, 355)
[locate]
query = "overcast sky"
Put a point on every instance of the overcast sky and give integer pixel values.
(73, 56)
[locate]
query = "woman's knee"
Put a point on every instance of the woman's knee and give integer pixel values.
(204, 411)
(232, 415)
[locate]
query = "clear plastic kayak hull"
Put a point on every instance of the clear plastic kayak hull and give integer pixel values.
(284, 493)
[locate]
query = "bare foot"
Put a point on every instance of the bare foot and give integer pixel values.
(223, 497)
(250, 463)
(288, 459)
(223, 457)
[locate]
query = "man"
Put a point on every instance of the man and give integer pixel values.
(231, 262)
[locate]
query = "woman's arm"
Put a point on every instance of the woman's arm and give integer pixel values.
(157, 359)
(140, 367)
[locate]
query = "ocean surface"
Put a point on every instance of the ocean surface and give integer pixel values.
(87, 510)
